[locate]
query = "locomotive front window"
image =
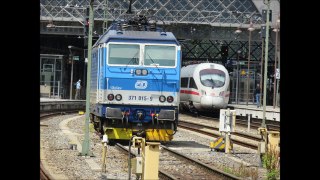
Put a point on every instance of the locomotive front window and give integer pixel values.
(124, 54)
(160, 55)
(212, 77)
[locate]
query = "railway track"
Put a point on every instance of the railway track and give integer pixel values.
(190, 169)
(184, 167)
(257, 124)
(162, 174)
(199, 128)
(187, 123)
(195, 169)
(254, 123)
(45, 175)
(52, 114)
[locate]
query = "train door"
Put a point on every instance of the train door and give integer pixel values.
(47, 79)
(239, 84)
(184, 85)
(101, 59)
(246, 94)
(193, 90)
(47, 74)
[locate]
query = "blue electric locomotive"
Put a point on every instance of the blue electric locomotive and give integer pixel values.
(135, 83)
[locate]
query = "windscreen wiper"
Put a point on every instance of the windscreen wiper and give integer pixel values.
(134, 58)
(212, 83)
(153, 63)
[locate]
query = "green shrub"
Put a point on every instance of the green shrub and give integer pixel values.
(271, 161)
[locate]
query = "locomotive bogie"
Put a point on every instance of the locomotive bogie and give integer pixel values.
(150, 134)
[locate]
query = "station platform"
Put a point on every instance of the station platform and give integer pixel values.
(272, 114)
(51, 104)
(45, 99)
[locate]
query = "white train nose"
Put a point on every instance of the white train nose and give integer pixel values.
(208, 102)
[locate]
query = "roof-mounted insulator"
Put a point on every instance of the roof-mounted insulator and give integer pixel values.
(140, 26)
(119, 28)
(153, 25)
(119, 32)
(163, 33)
(124, 26)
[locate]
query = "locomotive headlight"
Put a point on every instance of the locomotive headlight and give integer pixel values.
(144, 72)
(162, 98)
(138, 71)
(170, 99)
(118, 97)
(110, 97)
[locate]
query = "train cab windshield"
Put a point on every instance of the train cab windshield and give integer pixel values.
(154, 55)
(159, 55)
(212, 78)
(124, 54)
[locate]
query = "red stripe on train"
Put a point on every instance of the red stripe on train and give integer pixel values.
(189, 92)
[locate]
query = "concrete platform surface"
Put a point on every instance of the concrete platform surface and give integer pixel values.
(43, 99)
(254, 107)
(272, 114)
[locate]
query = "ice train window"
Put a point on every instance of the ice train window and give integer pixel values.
(212, 77)
(193, 84)
(184, 82)
(124, 54)
(160, 55)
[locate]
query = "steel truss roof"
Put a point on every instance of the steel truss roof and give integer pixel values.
(213, 12)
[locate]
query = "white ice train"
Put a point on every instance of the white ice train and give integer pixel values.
(204, 87)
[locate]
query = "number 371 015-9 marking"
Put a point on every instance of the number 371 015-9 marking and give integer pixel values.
(140, 98)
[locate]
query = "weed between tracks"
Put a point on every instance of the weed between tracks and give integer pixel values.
(271, 161)
(243, 171)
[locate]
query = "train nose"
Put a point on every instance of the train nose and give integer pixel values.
(208, 102)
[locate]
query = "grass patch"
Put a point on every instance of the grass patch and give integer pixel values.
(271, 161)
(243, 171)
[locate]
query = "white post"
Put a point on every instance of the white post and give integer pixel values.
(249, 116)
(53, 90)
(227, 134)
(227, 146)
(58, 89)
(265, 67)
(237, 82)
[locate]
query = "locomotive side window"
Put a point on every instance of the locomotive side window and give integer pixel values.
(184, 82)
(192, 84)
(160, 55)
(212, 78)
(124, 54)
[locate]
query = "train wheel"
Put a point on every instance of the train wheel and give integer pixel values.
(112, 142)
(94, 122)
(181, 109)
(184, 108)
(101, 126)
(91, 116)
